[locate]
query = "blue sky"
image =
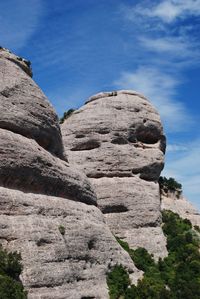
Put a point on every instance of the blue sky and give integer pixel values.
(80, 47)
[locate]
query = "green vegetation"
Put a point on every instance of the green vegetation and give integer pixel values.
(169, 184)
(61, 229)
(66, 115)
(175, 277)
(118, 282)
(10, 270)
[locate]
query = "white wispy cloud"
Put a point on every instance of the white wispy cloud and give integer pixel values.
(180, 47)
(168, 45)
(156, 31)
(19, 19)
(160, 88)
(165, 51)
(167, 11)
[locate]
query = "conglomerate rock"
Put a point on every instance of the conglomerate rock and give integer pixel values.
(26, 166)
(47, 208)
(24, 109)
(117, 139)
(66, 246)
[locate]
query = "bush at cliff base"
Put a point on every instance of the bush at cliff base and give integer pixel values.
(10, 270)
(175, 277)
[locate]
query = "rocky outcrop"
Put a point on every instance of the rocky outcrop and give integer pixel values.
(68, 263)
(47, 207)
(180, 205)
(117, 139)
(24, 108)
(62, 213)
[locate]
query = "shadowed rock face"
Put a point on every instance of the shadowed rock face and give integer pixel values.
(47, 208)
(123, 164)
(24, 109)
(28, 167)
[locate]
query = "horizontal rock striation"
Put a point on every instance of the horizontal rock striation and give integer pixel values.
(68, 263)
(24, 109)
(28, 167)
(47, 207)
(117, 139)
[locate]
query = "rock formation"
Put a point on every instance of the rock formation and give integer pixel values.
(63, 201)
(47, 207)
(117, 139)
(24, 108)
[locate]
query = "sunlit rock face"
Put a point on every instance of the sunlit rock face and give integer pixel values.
(117, 139)
(48, 208)
(24, 109)
(60, 263)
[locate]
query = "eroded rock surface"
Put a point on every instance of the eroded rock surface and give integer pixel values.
(28, 167)
(69, 265)
(24, 109)
(117, 139)
(47, 208)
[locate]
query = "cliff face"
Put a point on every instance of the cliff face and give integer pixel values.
(117, 139)
(48, 208)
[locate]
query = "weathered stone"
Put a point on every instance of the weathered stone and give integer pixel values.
(181, 206)
(47, 207)
(132, 211)
(69, 263)
(24, 109)
(118, 135)
(28, 167)
(24, 64)
(117, 140)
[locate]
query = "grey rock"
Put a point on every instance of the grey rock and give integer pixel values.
(117, 139)
(24, 109)
(118, 135)
(24, 64)
(28, 167)
(47, 207)
(72, 264)
(132, 211)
